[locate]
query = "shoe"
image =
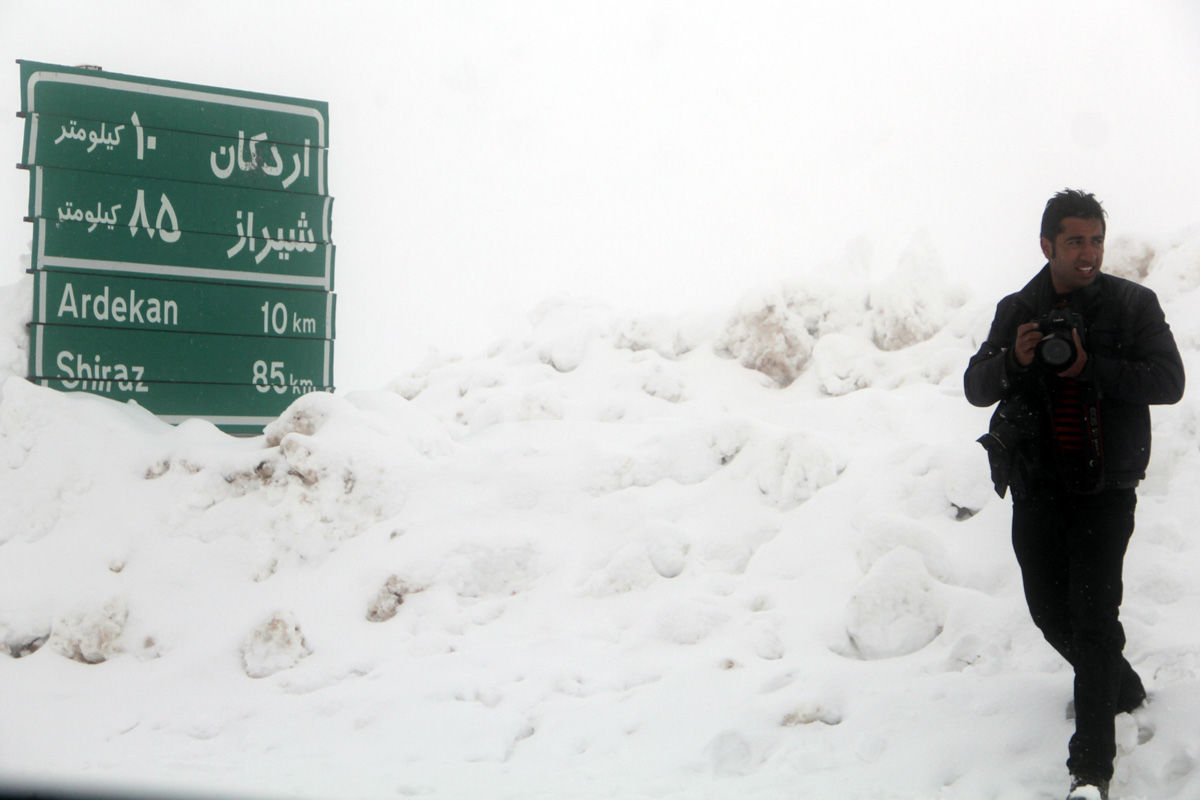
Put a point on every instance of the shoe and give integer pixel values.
(1132, 694)
(1082, 789)
(1131, 701)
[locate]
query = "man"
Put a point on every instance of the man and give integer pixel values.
(1074, 360)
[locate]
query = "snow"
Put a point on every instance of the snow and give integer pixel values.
(613, 555)
(649, 474)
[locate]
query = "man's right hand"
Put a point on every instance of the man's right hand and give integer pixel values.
(1028, 336)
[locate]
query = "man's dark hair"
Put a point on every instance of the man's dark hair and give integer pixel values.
(1070, 203)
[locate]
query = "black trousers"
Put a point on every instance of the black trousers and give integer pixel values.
(1071, 549)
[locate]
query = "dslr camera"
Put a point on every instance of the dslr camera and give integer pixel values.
(1056, 351)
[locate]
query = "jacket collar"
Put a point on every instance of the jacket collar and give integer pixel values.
(1040, 294)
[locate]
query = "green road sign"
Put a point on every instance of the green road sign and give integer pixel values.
(242, 158)
(105, 96)
(112, 301)
(96, 357)
(244, 408)
(155, 245)
(182, 246)
(98, 198)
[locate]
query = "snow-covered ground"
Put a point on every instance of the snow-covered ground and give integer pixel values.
(752, 554)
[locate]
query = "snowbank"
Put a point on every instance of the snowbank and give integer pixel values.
(648, 557)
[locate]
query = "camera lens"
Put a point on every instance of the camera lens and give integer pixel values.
(1056, 352)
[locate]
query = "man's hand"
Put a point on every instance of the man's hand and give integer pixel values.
(1075, 369)
(1028, 336)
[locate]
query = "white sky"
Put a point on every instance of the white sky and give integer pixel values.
(667, 156)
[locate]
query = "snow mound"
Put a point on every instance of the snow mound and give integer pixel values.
(91, 636)
(275, 645)
(387, 601)
(845, 364)
(766, 335)
(844, 331)
(795, 466)
(22, 632)
(1175, 269)
(896, 609)
(912, 304)
(1128, 257)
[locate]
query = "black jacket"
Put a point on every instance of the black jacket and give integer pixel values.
(1132, 362)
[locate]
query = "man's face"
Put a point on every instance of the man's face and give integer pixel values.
(1075, 254)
